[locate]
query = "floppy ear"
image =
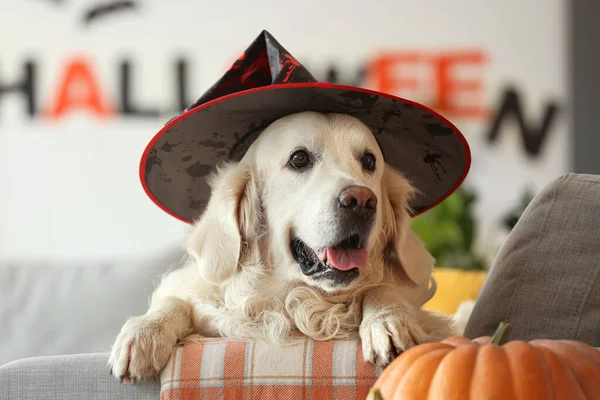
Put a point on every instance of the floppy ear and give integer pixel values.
(230, 220)
(403, 245)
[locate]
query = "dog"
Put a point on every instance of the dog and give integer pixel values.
(308, 234)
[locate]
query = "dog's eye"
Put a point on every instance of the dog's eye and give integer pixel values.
(368, 162)
(299, 159)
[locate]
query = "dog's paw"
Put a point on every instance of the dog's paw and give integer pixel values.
(386, 336)
(141, 350)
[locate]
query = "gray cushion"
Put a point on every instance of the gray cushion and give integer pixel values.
(545, 279)
(53, 308)
(83, 376)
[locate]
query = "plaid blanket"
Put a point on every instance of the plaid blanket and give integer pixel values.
(237, 369)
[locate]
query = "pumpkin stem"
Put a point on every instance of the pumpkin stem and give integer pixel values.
(502, 334)
(377, 395)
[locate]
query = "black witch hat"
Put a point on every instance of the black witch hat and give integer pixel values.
(267, 83)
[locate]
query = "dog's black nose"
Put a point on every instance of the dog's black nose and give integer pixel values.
(358, 200)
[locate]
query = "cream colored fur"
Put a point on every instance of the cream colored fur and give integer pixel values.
(241, 280)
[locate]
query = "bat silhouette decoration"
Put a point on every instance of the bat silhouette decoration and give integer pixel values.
(99, 11)
(102, 10)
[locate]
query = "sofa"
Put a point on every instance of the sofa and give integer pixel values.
(545, 281)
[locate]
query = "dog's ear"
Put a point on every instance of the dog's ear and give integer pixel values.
(403, 245)
(229, 222)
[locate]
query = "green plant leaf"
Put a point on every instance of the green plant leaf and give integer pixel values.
(448, 231)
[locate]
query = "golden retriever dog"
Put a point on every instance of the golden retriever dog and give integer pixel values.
(308, 234)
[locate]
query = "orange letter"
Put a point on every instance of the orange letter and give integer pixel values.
(78, 90)
(448, 86)
(381, 72)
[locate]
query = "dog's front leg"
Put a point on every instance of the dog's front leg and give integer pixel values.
(390, 325)
(145, 343)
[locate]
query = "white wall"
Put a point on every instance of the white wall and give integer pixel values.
(69, 188)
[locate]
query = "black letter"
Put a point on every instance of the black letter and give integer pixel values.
(331, 76)
(533, 137)
(181, 83)
(26, 87)
(127, 108)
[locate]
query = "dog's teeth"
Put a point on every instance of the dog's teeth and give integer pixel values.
(322, 255)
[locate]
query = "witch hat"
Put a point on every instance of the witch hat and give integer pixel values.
(266, 83)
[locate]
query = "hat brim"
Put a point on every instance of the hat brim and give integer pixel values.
(423, 145)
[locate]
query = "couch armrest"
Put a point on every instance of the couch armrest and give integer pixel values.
(80, 376)
(545, 280)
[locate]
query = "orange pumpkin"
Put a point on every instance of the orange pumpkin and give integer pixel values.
(492, 368)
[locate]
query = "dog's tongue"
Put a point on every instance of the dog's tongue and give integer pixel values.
(345, 259)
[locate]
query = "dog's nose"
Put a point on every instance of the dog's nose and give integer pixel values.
(359, 200)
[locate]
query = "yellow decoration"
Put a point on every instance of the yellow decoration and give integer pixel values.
(453, 287)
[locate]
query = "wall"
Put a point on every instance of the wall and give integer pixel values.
(69, 183)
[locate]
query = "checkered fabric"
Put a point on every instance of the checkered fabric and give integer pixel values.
(238, 369)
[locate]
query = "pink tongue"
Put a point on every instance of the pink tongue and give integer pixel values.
(345, 259)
